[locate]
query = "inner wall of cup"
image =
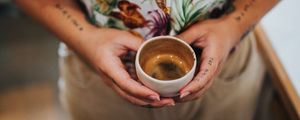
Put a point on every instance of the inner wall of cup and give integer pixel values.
(169, 46)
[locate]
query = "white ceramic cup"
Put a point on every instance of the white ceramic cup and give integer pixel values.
(159, 45)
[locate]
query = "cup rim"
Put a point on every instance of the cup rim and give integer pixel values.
(191, 71)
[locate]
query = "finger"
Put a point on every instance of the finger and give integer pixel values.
(115, 69)
(208, 68)
(163, 102)
(128, 97)
(198, 94)
(122, 93)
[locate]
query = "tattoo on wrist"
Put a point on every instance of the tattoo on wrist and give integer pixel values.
(68, 16)
(246, 8)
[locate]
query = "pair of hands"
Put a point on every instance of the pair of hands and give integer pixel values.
(104, 48)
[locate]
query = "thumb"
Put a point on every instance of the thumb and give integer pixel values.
(132, 42)
(190, 35)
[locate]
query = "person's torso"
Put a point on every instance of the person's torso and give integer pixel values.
(150, 18)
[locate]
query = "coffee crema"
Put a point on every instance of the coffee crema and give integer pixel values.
(165, 67)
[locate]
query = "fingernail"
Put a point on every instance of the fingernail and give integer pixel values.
(184, 95)
(154, 98)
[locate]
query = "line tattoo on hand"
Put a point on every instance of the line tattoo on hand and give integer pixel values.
(68, 16)
(210, 61)
(206, 71)
(246, 8)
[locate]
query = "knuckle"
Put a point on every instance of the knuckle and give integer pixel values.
(108, 83)
(197, 80)
(196, 89)
(133, 100)
(197, 86)
(99, 68)
(135, 91)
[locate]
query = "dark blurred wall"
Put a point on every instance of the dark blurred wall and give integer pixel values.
(28, 53)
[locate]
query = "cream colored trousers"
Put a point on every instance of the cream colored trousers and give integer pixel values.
(233, 95)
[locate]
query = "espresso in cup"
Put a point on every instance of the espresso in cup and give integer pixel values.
(165, 67)
(166, 59)
(165, 64)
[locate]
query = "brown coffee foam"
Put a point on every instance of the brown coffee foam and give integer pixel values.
(166, 67)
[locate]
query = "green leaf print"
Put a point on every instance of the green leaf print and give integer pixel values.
(186, 12)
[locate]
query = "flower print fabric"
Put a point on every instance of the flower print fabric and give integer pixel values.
(150, 18)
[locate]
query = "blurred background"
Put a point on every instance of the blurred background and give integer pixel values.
(29, 68)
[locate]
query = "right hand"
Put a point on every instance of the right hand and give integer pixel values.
(103, 49)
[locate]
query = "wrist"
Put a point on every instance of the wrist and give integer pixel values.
(235, 28)
(239, 26)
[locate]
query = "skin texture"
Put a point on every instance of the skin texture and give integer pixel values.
(217, 38)
(103, 47)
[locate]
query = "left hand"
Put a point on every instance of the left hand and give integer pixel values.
(216, 38)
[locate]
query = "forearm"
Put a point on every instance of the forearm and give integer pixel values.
(247, 13)
(61, 17)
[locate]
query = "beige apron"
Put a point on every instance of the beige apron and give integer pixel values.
(232, 96)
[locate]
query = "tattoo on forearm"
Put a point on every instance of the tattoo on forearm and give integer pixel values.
(246, 8)
(69, 17)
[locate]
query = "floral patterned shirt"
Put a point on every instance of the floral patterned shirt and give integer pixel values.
(150, 18)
